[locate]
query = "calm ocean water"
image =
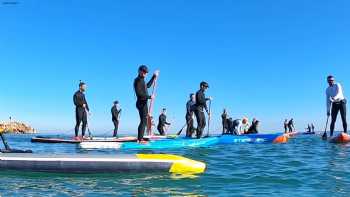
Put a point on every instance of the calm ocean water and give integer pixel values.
(306, 166)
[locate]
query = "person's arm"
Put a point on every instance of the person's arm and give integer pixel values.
(119, 114)
(150, 83)
(86, 104)
(140, 90)
(338, 91)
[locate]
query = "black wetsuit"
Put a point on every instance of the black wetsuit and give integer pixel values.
(80, 112)
(190, 105)
(253, 129)
(285, 126)
(336, 107)
(201, 105)
(161, 124)
(291, 126)
(142, 102)
(115, 118)
(224, 123)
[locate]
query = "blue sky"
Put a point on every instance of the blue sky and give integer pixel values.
(264, 59)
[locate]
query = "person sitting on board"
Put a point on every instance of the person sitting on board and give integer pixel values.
(162, 123)
(245, 126)
(190, 107)
(140, 88)
(285, 124)
(234, 126)
(253, 129)
(201, 105)
(81, 110)
(312, 127)
(116, 112)
(291, 126)
(224, 118)
(336, 102)
(308, 129)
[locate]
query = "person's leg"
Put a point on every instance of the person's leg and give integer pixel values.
(139, 129)
(343, 117)
(201, 125)
(188, 129)
(78, 120)
(115, 132)
(84, 122)
(334, 114)
(199, 122)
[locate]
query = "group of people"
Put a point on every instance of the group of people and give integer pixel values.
(196, 107)
(238, 126)
(310, 128)
(289, 126)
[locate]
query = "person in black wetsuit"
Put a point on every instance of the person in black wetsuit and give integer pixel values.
(162, 122)
(81, 109)
(253, 129)
(201, 105)
(141, 92)
(224, 117)
(291, 126)
(190, 105)
(285, 124)
(312, 127)
(116, 111)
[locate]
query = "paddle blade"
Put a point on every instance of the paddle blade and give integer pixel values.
(324, 136)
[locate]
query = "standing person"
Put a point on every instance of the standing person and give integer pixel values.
(335, 99)
(285, 126)
(162, 122)
(224, 117)
(81, 110)
(116, 112)
(312, 127)
(190, 105)
(141, 92)
(291, 126)
(308, 129)
(201, 105)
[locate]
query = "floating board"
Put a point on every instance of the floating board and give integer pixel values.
(100, 163)
(73, 141)
(341, 138)
(156, 144)
(253, 138)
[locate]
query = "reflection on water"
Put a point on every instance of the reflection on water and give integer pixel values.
(305, 166)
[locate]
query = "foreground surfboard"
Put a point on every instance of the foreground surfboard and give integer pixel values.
(73, 141)
(100, 163)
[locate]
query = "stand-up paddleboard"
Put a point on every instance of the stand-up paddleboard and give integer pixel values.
(341, 138)
(73, 141)
(294, 134)
(156, 144)
(100, 163)
(253, 138)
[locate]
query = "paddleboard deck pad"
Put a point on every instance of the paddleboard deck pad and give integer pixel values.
(100, 163)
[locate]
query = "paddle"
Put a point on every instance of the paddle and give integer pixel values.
(149, 115)
(9, 150)
(178, 133)
(209, 118)
(324, 136)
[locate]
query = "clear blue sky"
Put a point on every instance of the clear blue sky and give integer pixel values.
(264, 59)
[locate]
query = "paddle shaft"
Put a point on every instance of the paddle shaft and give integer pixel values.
(324, 136)
(209, 118)
(6, 145)
(149, 115)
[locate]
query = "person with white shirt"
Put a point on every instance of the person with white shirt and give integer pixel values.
(335, 102)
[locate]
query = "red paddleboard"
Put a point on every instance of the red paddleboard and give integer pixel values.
(341, 138)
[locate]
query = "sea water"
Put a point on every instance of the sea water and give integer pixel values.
(305, 166)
